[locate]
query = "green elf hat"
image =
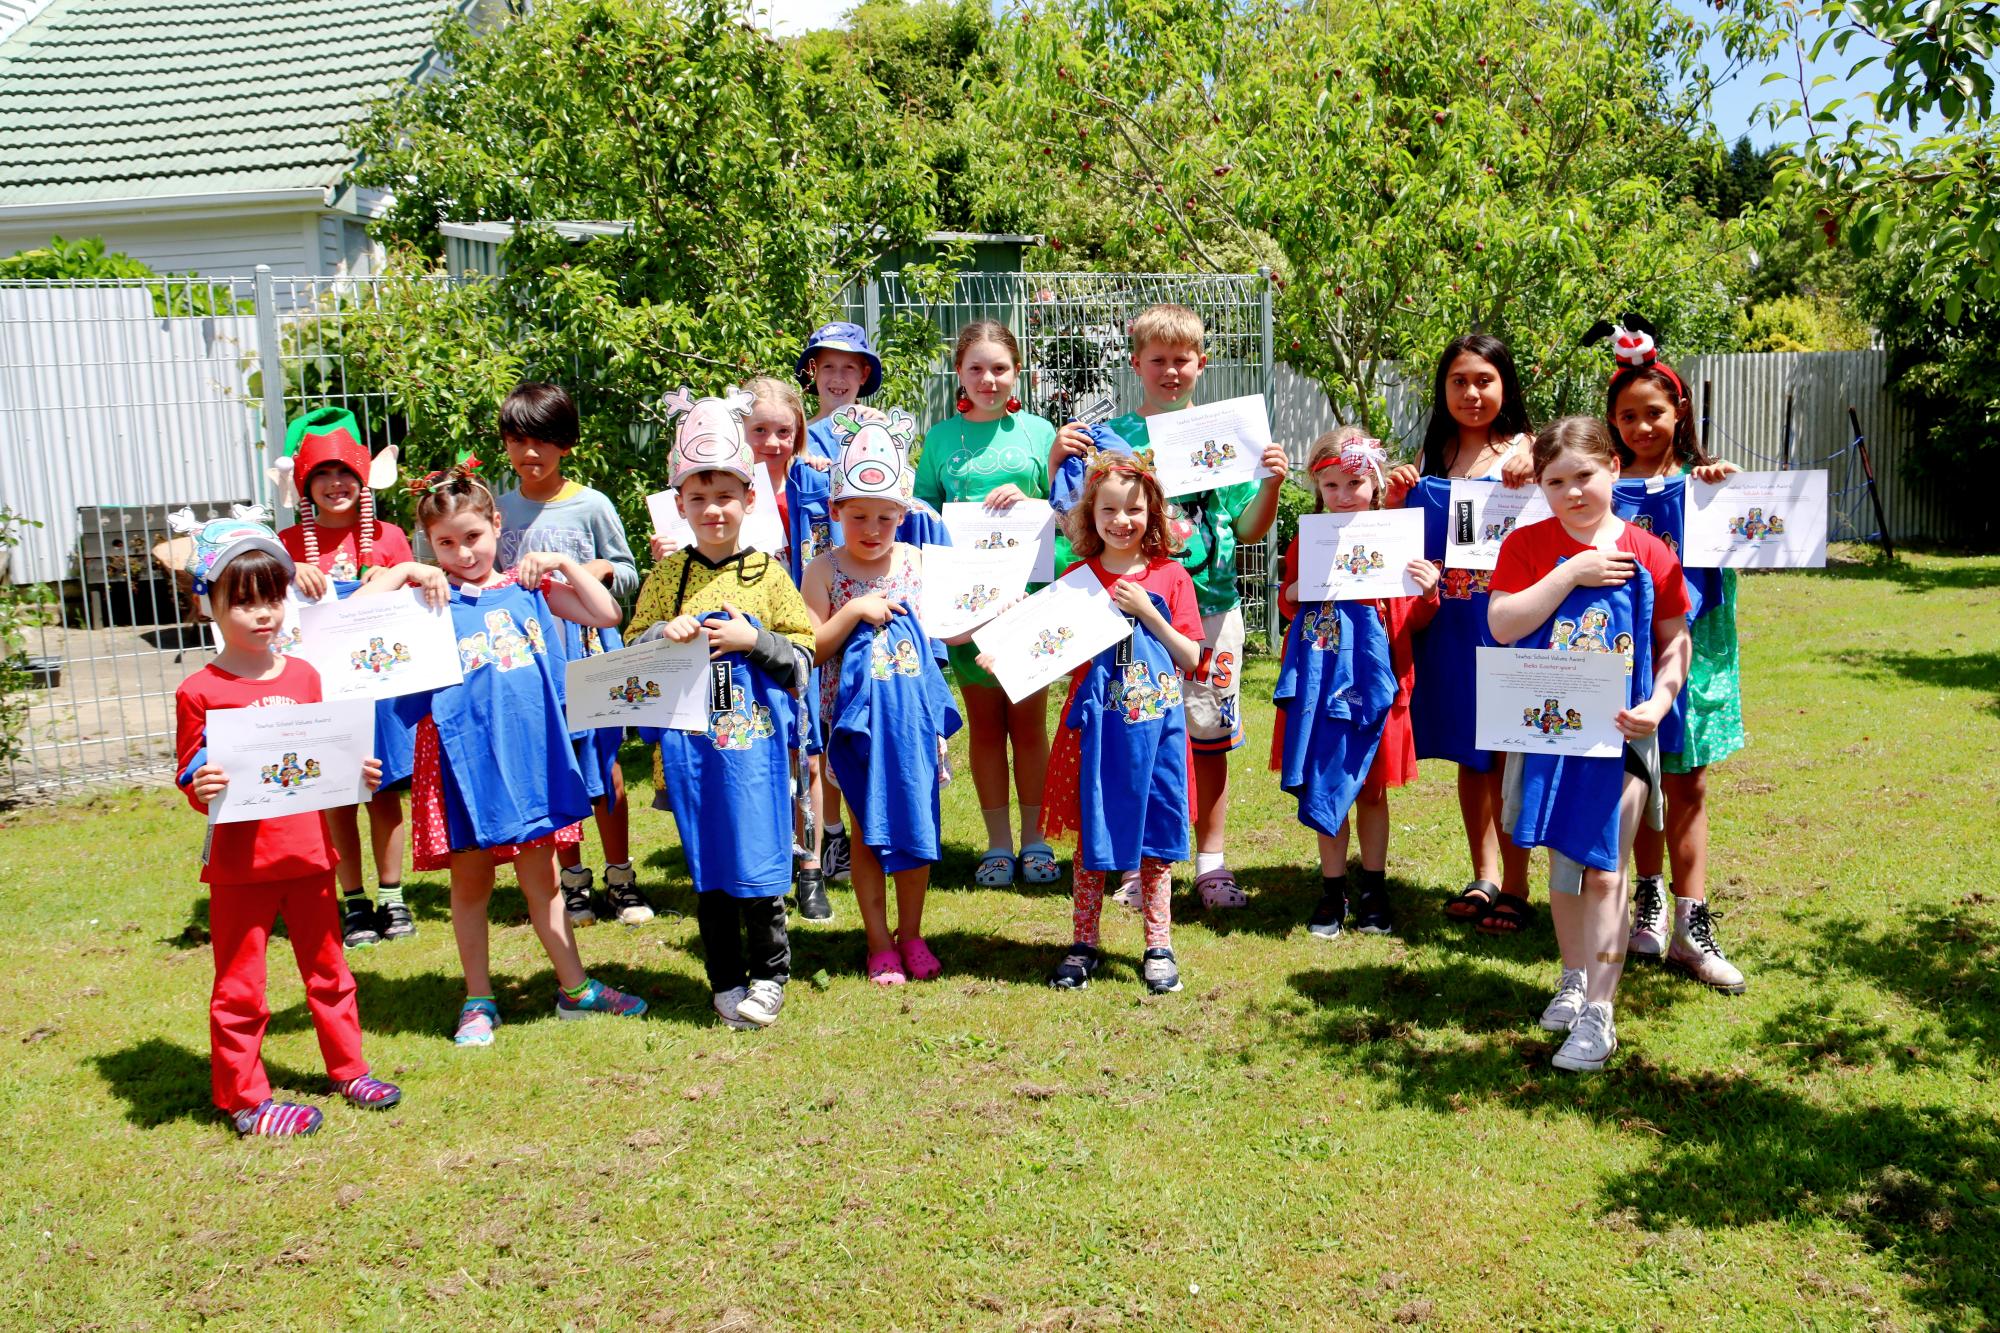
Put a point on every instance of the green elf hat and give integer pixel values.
(328, 435)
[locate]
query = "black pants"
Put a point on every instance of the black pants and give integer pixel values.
(726, 922)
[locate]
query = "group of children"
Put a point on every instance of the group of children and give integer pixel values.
(824, 681)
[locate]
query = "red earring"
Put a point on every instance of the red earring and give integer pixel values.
(964, 403)
(1013, 404)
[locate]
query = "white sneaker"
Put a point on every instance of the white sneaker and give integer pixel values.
(1652, 923)
(762, 1004)
(1561, 1014)
(728, 1005)
(1590, 1042)
(1695, 953)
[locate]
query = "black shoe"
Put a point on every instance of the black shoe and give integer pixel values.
(357, 924)
(1371, 913)
(813, 904)
(1326, 918)
(577, 897)
(1077, 968)
(624, 898)
(393, 920)
(834, 856)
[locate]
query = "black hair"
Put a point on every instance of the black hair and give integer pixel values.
(543, 412)
(252, 578)
(1687, 440)
(1441, 435)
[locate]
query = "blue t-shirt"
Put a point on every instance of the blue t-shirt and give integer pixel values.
(1132, 787)
(1442, 722)
(508, 770)
(730, 785)
(1659, 506)
(890, 712)
(1336, 684)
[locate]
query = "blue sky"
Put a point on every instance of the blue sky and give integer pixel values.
(1734, 107)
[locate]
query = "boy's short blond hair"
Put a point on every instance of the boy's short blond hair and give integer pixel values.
(1175, 325)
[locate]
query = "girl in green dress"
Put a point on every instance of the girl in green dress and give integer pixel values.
(1650, 412)
(993, 452)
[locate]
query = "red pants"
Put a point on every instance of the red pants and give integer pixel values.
(240, 917)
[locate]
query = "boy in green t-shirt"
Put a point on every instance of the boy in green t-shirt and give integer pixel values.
(1167, 356)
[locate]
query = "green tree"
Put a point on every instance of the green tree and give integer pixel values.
(752, 199)
(1416, 170)
(1935, 200)
(88, 258)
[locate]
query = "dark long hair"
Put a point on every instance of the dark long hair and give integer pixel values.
(1687, 440)
(1441, 435)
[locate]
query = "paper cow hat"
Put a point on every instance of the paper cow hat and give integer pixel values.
(220, 540)
(322, 436)
(710, 435)
(873, 457)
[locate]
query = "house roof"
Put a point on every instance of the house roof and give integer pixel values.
(136, 99)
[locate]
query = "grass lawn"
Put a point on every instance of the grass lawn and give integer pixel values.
(1311, 1135)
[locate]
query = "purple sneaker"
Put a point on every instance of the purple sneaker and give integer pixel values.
(599, 998)
(277, 1120)
(370, 1094)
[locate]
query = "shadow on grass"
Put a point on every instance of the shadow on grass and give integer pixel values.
(840, 948)
(1944, 966)
(161, 1082)
(1978, 672)
(1731, 1149)
(1928, 577)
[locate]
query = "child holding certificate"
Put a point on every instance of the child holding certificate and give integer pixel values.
(259, 869)
(547, 511)
(1118, 773)
(1587, 581)
(1649, 408)
(1343, 696)
(337, 541)
(995, 454)
(496, 776)
(730, 785)
(886, 706)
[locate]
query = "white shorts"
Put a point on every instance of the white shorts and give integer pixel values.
(1214, 719)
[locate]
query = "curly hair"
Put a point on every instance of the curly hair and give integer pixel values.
(1157, 541)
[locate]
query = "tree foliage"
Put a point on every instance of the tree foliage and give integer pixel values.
(1415, 171)
(1872, 182)
(754, 189)
(88, 258)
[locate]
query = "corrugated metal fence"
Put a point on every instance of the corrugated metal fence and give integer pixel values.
(1742, 397)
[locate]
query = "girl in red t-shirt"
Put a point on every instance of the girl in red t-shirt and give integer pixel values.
(1118, 774)
(257, 870)
(1324, 758)
(1587, 581)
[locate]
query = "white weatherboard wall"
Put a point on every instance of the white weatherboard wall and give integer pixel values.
(104, 403)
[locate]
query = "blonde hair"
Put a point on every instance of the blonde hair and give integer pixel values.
(1175, 325)
(1328, 446)
(770, 389)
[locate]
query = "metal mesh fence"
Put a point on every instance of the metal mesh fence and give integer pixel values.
(121, 401)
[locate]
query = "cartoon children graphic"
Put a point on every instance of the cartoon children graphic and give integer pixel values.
(976, 598)
(1134, 698)
(1321, 628)
(737, 727)
(1170, 689)
(511, 648)
(1050, 641)
(1622, 645)
(1590, 632)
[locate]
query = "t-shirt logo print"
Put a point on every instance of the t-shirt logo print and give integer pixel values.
(502, 644)
(1320, 627)
(737, 727)
(883, 663)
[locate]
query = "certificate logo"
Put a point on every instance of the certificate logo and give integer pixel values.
(634, 691)
(1752, 528)
(291, 773)
(1552, 719)
(995, 541)
(1050, 642)
(380, 658)
(1213, 453)
(976, 598)
(1360, 561)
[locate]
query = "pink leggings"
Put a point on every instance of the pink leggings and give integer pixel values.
(1155, 898)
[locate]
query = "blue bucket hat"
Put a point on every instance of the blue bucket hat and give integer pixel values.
(841, 336)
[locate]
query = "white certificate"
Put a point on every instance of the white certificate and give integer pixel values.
(1027, 529)
(381, 646)
(964, 589)
(658, 683)
(1214, 445)
(1365, 554)
(1543, 701)
(289, 759)
(1050, 634)
(1482, 514)
(1756, 520)
(285, 643)
(762, 530)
